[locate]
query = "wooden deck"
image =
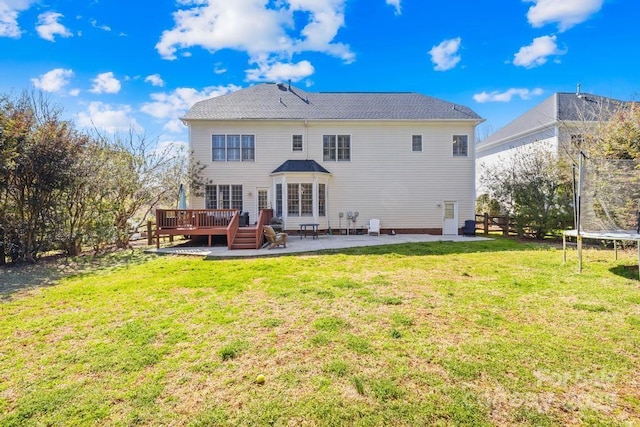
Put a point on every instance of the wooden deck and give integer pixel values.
(211, 222)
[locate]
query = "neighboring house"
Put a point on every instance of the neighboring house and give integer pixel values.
(560, 123)
(404, 158)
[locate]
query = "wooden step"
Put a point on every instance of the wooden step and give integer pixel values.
(245, 239)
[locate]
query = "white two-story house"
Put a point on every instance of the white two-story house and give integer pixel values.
(560, 124)
(403, 158)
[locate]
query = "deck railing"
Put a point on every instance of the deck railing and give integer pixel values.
(189, 219)
(263, 219)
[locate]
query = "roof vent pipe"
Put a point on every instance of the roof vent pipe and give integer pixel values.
(578, 94)
(289, 84)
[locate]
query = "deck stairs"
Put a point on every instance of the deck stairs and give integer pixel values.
(246, 239)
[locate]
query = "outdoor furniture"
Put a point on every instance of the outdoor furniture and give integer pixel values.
(374, 227)
(314, 230)
(469, 228)
(274, 239)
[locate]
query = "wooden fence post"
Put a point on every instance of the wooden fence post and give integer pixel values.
(486, 224)
(149, 233)
(505, 226)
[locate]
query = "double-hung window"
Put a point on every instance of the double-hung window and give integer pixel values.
(460, 145)
(233, 148)
(223, 196)
(219, 148)
(416, 143)
(296, 143)
(336, 148)
(248, 148)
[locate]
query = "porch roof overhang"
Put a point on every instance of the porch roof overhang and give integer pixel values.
(298, 166)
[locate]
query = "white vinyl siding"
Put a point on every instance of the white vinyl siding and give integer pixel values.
(382, 180)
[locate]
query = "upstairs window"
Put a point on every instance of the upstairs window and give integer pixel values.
(416, 143)
(296, 143)
(460, 145)
(248, 148)
(336, 148)
(233, 148)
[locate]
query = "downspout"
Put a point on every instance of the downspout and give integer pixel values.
(306, 140)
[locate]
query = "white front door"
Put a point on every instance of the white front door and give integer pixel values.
(450, 218)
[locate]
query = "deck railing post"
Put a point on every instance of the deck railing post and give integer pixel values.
(505, 229)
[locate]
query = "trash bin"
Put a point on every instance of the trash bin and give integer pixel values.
(244, 219)
(469, 228)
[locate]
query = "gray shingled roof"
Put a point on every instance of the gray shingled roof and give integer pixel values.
(300, 166)
(272, 101)
(559, 107)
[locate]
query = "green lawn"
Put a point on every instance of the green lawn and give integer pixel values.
(485, 333)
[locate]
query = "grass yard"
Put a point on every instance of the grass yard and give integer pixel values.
(483, 333)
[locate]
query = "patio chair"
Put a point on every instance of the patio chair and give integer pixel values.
(274, 239)
(374, 227)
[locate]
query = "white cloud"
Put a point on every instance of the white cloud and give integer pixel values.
(396, 5)
(9, 11)
(48, 26)
(219, 69)
(94, 23)
(445, 55)
(280, 71)
(155, 80)
(537, 52)
(74, 92)
(105, 83)
(326, 17)
(106, 118)
(175, 104)
(244, 25)
(566, 13)
(506, 96)
(54, 80)
(266, 31)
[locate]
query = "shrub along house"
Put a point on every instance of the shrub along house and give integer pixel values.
(403, 158)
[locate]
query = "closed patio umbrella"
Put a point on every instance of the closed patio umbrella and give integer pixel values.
(182, 198)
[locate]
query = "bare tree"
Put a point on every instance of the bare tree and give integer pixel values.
(531, 187)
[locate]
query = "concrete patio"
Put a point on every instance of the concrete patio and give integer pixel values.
(295, 245)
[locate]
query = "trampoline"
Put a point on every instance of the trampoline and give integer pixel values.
(606, 203)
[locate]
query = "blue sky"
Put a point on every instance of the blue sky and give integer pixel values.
(142, 64)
